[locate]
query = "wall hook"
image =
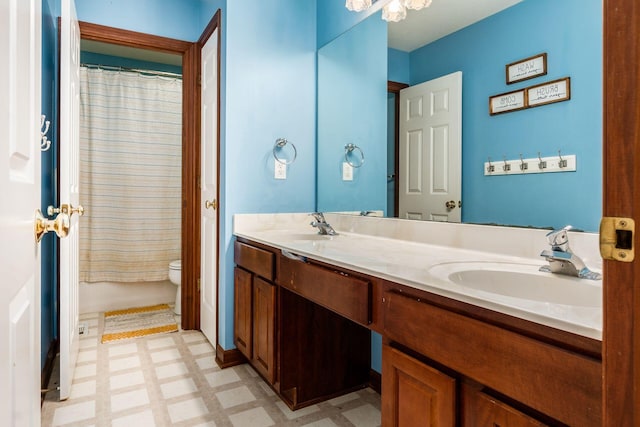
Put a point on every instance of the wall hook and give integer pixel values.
(491, 168)
(541, 163)
(507, 166)
(523, 165)
(563, 162)
(45, 144)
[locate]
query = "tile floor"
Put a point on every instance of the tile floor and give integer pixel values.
(173, 380)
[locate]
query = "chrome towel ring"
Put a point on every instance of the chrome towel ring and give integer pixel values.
(348, 151)
(279, 145)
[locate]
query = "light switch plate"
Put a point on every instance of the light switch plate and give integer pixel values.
(347, 172)
(280, 170)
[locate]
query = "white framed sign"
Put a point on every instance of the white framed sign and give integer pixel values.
(550, 92)
(528, 68)
(505, 102)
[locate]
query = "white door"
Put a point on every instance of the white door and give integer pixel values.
(209, 189)
(20, 47)
(69, 153)
(431, 150)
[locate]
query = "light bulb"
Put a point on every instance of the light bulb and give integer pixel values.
(358, 5)
(394, 11)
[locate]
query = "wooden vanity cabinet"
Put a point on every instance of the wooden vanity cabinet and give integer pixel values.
(548, 384)
(307, 352)
(480, 409)
(414, 393)
(255, 308)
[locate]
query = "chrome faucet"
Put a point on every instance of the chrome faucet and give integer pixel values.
(561, 258)
(321, 224)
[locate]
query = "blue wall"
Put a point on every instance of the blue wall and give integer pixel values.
(334, 19)
(399, 66)
(48, 246)
(118, 61)
(168, 18)
(572, 37)
(270, 88)
(352, 108)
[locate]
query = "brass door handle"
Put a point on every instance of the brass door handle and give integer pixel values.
(42, 225)
(451, 204)
(211, 204)
(66, 209)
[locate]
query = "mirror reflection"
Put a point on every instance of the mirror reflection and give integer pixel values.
(354, 106)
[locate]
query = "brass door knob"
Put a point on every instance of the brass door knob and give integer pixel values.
(211, 204)
(451, 204)
(42, 225)
(65, 208)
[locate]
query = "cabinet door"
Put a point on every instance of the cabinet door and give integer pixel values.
(243, 311)
(264, 300)
(493, 413)
(415, 394)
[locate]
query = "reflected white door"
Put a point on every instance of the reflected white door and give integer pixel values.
(431, 150)
(20, 46)
(209, 189)
(69, 154)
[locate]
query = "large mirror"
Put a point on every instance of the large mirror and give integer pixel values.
(354, 107)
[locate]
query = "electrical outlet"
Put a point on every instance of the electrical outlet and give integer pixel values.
(280, 170)
(347, 172)
(83, 329)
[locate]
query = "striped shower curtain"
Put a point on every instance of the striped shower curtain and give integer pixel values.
(130, 175)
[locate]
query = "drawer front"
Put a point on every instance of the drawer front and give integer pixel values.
(563, 385)
(254, 259)
(494, 413)
(344, 294)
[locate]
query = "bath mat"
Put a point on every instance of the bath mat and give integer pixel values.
(138, 322)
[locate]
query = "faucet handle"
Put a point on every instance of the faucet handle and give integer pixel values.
(559, 239)
(319, 216)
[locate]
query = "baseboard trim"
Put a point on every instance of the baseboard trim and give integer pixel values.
(47, 369)
(375, 381)
(228, 358)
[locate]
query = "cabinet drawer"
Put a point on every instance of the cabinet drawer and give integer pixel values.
(561, 384)
(338, 291)
(256, 260)
(491, 412)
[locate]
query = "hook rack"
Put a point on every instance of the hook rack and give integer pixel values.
(348, 150)
(520, 166)
(280, 144)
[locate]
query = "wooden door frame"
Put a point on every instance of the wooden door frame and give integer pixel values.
(190, 246)
(395, 88)
(621, 187)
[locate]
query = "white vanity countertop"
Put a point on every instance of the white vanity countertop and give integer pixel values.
(404, 251)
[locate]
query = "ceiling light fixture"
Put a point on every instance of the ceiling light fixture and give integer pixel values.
(358, 5)
(393, 10)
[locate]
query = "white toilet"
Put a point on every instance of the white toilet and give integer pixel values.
(175, 273)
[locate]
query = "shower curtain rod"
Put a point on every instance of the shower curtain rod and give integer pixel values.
(133, 70)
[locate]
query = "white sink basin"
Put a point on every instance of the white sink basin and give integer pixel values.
(522, 281)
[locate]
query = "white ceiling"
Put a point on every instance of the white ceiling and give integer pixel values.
(443, 17)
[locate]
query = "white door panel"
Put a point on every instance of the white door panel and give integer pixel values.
(69, 153)
(430, 150)
(209, 189)
(20, 48)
